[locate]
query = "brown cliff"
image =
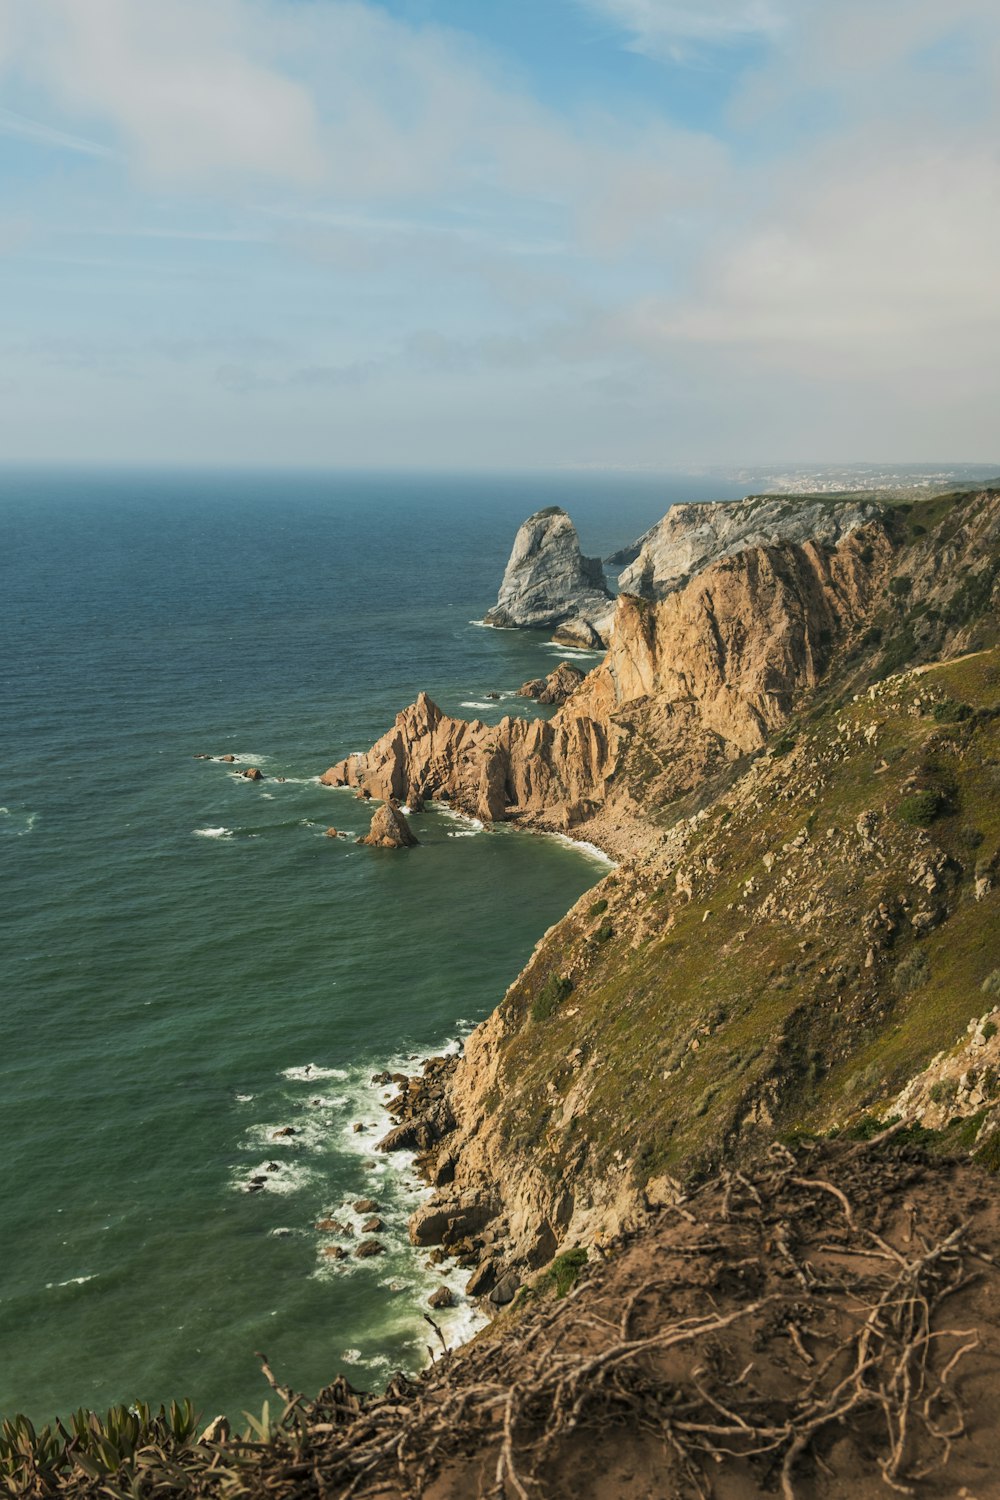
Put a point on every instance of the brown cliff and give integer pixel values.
(695, 680)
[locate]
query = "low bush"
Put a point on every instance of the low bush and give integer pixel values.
(921, 808)
(551, 995)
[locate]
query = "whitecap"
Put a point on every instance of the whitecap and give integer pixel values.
(214, 833)
(309, 1071)
(72, 1281)
(243, 1098)
(280, 1177)
(590, 850)
(474, 703)
(352, 1357)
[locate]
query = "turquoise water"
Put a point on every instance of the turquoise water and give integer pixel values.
(189, 964)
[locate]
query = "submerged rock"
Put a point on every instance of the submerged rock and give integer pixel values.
(389, 830)
(549, 582)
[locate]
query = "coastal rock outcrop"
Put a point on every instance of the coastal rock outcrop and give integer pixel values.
(560, 684)
(389, 830)
(696, 679)
(690, 537)
(549, 583)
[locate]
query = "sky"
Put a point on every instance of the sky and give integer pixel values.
(499, 234)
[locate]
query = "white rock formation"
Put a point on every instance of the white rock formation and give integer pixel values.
(691, 536)
(548, 582)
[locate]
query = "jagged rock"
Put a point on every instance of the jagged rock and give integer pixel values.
(367, 1248)
(252, 774)
(699, 678)
(389, 830)
(333, 1226)
(482, 1280)
(365, 1206)
(413, 1135)
(336, 1252)
(548, 581)
(374, 1225)
(282, 1131)
(443, 1297)
(556, 687)
(434, 1224)
(690, 537)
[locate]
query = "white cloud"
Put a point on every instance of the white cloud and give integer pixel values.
(666, 28)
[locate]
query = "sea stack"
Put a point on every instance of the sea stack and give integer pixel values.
(389, 830)
(548, 583)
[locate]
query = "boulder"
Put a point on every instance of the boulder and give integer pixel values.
(443, 1297)
(548, 580)
(334, 1252)
(331, 833)
(506, 1289)
(282, 1131)
(389, 830)
(368, 1248)
(374, 1225)
(365, 1206)
(482, 1280)
(412, 1135)
(252, 774)
(433, 1223)
(334, 1226)
(229, 759)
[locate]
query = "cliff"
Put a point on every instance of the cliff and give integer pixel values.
(549, 583)
(750, 968)
(689, 537)
(688, 684)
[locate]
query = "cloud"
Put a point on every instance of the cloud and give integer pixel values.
(23, 128)
(664, 28)
(181, 84)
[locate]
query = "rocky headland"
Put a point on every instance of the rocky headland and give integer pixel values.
(749, 748)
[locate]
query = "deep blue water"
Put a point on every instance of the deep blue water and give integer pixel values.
(180, 944)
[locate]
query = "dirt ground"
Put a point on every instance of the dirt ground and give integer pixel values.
(826, 1326)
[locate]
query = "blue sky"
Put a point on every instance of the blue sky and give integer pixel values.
(499, 233)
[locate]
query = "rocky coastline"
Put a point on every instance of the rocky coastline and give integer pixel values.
(685, 713)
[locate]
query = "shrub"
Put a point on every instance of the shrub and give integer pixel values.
(604, 932)
(598, 908)
(991, 984)
(551, 995)
(921, 808)
(901, 586)
(948, 711)
(989, 1031)
(943, 1091)
(564, 1270)
(785, 745)
(988, 1155)
(912, 972)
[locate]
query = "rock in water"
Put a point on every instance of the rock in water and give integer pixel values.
(548, 582)
(389, 830)
(556, 687)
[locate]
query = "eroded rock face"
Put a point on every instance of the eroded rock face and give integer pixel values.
(389, 830)
(690, 537)
(548, 582)
(698, 678)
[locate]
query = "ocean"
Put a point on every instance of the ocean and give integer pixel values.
(189, 964)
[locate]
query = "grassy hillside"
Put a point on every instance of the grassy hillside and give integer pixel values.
(809, 942)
